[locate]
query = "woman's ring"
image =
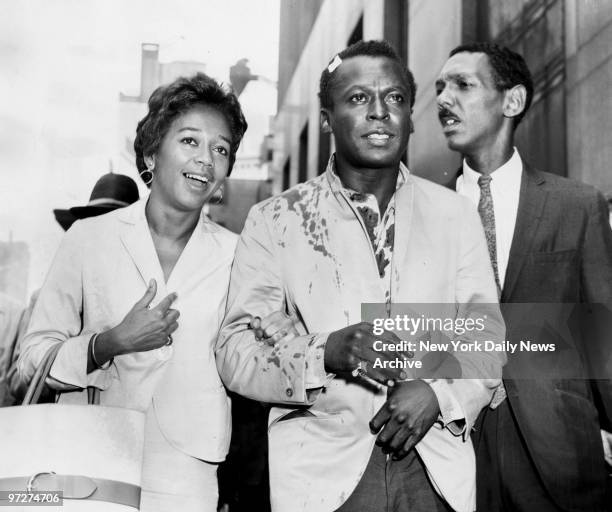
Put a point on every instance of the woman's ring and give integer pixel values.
(361, 369)
(169, 340)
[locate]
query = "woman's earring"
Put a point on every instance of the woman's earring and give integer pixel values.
(217, 197)
(147, 175)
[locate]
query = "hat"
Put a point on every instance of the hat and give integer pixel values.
(110, 192)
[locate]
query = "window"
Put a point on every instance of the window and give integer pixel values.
(535, 29)
(303, 161)
(357, 34)
(287, 174)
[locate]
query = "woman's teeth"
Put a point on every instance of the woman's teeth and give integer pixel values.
(197, 177)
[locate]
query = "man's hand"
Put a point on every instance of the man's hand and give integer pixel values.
(351, 350)
(606, 438)
(410, 411)
(274, 328)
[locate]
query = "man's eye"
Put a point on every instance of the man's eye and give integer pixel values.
(462, 84)
(189, 140)
(396, 98)
(358, 98)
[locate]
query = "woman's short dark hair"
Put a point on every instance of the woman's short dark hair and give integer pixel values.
(169, 101)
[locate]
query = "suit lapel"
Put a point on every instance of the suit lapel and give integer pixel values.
(532, 200)
(136, 238)
(404, 209)
(198, 254)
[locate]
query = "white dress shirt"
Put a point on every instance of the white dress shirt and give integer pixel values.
(505, 189)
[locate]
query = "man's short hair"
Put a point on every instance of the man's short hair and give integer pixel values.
(369, 49)
(509, 69)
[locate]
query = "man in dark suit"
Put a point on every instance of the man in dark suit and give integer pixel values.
(539, 444)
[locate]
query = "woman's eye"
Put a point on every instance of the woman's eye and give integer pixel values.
(189, 140)
(222, 151)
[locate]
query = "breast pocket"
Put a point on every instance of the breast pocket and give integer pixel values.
(553, 276)
(554, 257)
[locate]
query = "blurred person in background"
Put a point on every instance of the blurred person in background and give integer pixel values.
(120, 282)
(110, 192)
(11, 313)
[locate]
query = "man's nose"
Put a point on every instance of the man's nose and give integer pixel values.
(444, 98)
(378, 109)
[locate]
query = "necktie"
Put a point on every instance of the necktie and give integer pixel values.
(487, 216)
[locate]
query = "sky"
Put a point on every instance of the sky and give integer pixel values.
(63, 65)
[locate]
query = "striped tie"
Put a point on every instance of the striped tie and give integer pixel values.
(487, 216)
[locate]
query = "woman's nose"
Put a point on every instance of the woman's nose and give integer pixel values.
(204, 156)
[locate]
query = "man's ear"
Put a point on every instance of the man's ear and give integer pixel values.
(324, 119)
(514, 101)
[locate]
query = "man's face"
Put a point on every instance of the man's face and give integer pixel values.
(470, 107)
(370, 116)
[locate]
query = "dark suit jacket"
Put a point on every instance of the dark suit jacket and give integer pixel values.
(561, 253)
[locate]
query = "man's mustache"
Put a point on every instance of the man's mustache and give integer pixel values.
(443, 112)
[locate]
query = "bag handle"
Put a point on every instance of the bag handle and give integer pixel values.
(37, 383)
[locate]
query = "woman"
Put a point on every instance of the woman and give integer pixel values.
(136, 296)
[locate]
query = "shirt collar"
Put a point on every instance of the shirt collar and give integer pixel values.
(337, 185)
(504, 175)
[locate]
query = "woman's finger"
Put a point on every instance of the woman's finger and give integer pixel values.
(165, 303)
(149, 295)
(255, 323)
(172, 315)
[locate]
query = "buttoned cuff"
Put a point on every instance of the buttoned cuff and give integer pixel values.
(315, 376)
(451, 415)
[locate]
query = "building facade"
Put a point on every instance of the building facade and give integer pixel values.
(566, 43)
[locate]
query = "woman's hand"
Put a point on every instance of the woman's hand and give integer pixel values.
(142, 329)
(274, 328)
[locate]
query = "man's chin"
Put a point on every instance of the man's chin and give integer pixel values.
(454, 143)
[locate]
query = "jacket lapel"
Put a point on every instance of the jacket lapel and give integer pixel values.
(136, 238)
(532, 200)
(404, 208)
(199, 254)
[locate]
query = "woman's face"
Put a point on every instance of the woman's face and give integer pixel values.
(193, 158)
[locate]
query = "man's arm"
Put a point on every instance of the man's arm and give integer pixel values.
(596, 287)
(292, 371)
(413, 407)
(255, 369)
(461, 400)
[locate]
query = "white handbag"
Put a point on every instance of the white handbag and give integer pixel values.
(91, 453)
